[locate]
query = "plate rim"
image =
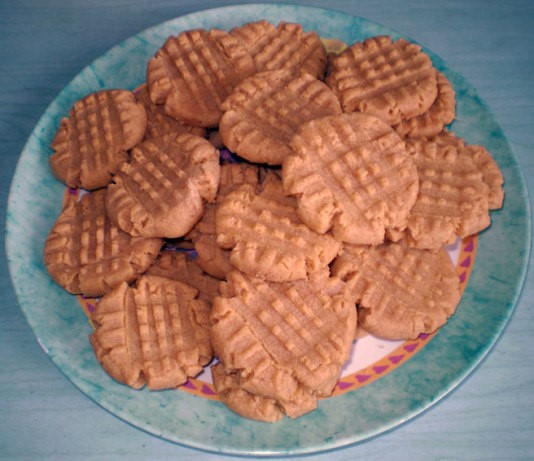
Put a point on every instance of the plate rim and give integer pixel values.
(518, 287)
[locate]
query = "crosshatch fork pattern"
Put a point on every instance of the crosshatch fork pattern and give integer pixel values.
(303, 329)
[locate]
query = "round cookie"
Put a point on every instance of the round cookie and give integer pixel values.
(155, 333)
(95, 138)
(194, 72)
(393, 80)
(453, 199)
(87, 254)
(263, 112)
(162, 190)
(285, 46)
(178, 265)
(267, 238)
(440, 113)
(210, 257)
(351, 174)
(240, 401)
(491, 173)
(284, 341)
(159, 123)
(400, 291)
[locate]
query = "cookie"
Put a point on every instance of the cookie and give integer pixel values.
(491, 173)
(159, 123)
(162, 190)
(241, 401)
(284, 341)
(155, 333)
(453, 199)
(285, 46)
(267, 238)
(194, 72)
(210, 257)
(178, 265)
(95, 138)
(393, 80)
(401, 292)
(441, 113)
(263, 112)
(87, 254)
(351, 174)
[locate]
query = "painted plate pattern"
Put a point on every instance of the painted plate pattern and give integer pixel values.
(447, 358)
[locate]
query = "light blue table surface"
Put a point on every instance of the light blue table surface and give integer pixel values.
(44, 44)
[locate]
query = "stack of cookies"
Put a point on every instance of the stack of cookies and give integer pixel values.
(257, 202)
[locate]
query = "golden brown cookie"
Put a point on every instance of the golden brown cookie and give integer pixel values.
(284, 341)
(194, 72)
(178, 265)
(210, 257)
(453, 197)
(285, 46)
(491, 173)
(401, 291)
(159, 123)
(263, 112)
(162, 190)
(156, 333)
(241, 401)
(85, 253)
(440, 113)
(351, 174)
(267, 238)
(393, 80)
(95, 138)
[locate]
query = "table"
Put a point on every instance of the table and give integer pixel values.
(44, 44)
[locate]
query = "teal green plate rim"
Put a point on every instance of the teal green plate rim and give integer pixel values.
(62, 330)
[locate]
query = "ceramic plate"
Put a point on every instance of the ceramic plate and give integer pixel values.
(447, 358)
